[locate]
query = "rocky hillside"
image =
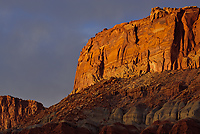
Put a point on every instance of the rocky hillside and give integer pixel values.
(168, 39)
(137, 77)
(166, 102)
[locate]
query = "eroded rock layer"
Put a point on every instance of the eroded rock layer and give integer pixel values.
(154, 102)
(14, 111)
(168, 39)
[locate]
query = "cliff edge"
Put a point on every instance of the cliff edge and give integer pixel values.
(14, 111)
(168, 39)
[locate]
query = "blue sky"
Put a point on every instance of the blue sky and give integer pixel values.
(40, 40)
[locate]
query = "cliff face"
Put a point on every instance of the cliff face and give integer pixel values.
(14, 111)
(168, 39)
(144, 77)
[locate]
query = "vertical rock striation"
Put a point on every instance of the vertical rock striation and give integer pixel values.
(168, 39)
(13, 111)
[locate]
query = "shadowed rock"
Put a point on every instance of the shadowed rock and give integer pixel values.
(118, 128)
(191, 110)
(116, 116)
(150, 116)
(134, 115)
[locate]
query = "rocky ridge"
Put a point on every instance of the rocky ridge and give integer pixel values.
(133, 104)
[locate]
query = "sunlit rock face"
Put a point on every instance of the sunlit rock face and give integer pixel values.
(14, 111)
(168, 39)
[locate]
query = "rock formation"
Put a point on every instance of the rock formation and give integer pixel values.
(137, 77)
(158, 127)
(154, 102)
(168, 39)
(116, 116)
(118, 128)
(13, 111)
(55, 128)
(184, 126)
(134, 115)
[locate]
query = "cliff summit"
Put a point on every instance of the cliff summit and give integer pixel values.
(168, 39)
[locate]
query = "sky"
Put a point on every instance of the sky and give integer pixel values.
(41, 40)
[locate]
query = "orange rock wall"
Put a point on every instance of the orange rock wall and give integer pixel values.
(168, 39)
(14, 110)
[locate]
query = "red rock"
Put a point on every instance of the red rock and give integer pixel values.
(118, 128)
(56, 128)
(158, 127)
(14, 111)
(166, 40)
(186, 126)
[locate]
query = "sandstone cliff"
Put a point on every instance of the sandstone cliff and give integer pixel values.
(14, 111)
(168, 39)
(138, 77)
